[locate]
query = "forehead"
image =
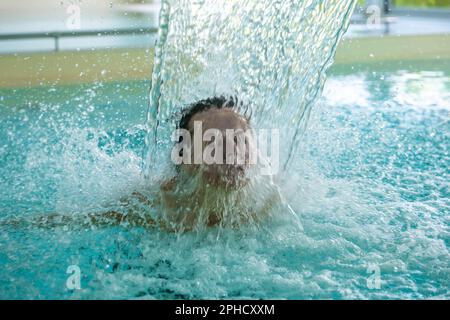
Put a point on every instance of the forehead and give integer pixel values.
(220, 119)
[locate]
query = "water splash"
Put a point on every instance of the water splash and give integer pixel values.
(370, 188)
(271, 54)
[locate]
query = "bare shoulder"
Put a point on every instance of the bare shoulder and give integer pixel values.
(169, 184)
(142, 198)
(270, 202)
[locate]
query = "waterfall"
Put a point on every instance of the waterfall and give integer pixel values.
(270, 54)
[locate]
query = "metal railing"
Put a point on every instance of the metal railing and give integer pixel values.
(57, 35)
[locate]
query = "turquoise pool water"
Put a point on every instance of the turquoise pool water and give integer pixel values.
(369, 185)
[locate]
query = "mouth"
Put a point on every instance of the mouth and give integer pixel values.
(225, 176)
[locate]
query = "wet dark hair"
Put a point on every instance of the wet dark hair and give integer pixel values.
(207, 104)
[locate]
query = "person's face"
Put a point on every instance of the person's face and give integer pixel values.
(229, 173)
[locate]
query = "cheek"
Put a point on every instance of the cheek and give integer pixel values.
(247, 151)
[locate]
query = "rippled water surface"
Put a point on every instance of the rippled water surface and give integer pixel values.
(369, 184)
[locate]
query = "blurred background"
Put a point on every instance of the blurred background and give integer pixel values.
(51, 42)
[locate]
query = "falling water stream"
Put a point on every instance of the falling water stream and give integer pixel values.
(271, 55)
